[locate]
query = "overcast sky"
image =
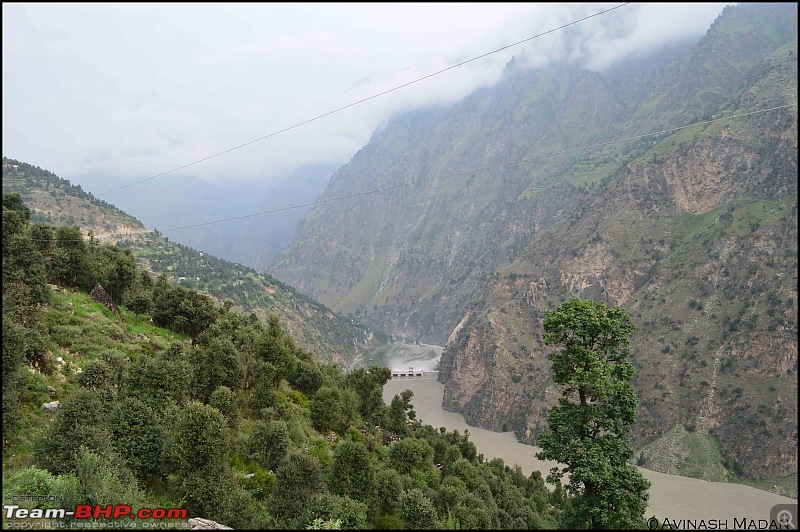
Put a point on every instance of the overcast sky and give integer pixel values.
(132, 90)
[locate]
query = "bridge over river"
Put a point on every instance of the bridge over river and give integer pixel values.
(412, 373)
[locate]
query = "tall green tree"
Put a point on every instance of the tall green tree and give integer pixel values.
(217, 363)
(352, 472)
(200, 438)
(69, 265)
(417, 511)
(13, 202)
(269, 443)
(334, 409)
(137, 436)
(589, 429)
(115, 269)
(368, 384)
(79, 421)
(299, 478)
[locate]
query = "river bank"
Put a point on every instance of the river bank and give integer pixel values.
(671, 496)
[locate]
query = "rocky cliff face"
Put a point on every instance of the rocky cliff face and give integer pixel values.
(412, 258)
(713, 293)
(693, 231)
(697, 238)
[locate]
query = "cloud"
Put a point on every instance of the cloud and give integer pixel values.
(134, 90)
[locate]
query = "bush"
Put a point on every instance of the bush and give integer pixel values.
(269, 442)
(224, 400)
(298, 479)
(137, 436)
(264, 395)
(328, 508)
(351, 473)
(389, 522)
(260, 485)
(334, 409)
(200, 437)
(410, 453)
(80, 421)
(96, 375)
(160, 380)
(30, 481)
(417, 511)
(104, 479)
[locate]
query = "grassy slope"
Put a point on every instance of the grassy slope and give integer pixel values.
(78, 330)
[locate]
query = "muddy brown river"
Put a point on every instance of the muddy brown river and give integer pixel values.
(671, 496)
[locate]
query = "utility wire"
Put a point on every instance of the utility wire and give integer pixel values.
(475, 170)
(456, 174)
(363, 100)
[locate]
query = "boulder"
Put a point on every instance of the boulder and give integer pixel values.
(99, 295)
(51, 406)
(198, 523)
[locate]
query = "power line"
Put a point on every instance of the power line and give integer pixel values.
(363, 100)
(475, 170)
(463, 172)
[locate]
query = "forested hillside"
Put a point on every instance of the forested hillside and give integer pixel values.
(157, 397)
(693, 230)
(329, 335)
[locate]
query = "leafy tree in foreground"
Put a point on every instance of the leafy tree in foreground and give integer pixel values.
(417, 511)
(589, 427)
(351, 474)
(269, 443)
(299, 478)
(137, 436)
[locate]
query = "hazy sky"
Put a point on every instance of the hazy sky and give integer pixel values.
(132, 90)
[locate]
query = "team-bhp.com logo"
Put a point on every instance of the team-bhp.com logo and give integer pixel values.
(97, 511)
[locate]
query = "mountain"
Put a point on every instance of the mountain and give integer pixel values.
(251, 241)
(692, 230)
(317, 328)
(304, 186)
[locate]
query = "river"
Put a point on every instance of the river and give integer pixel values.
(671, 496)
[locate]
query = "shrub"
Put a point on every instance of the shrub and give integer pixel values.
(200, 437)
(269, 442)
(80, 421)
(417, 511)
(224, 400)
(137, 436)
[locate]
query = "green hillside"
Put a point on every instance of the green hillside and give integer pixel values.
(54, 200)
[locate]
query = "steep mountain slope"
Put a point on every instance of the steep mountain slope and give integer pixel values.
(314, 326)
(698, 239)
(693, 231)
(413, 257)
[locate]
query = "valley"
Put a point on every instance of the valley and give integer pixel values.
(681, 207)
(588, 244)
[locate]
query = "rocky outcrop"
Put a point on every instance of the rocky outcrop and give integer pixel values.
(713, 294)
(51, 406)
(99, 295)
(198, 523)
(411, 261)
